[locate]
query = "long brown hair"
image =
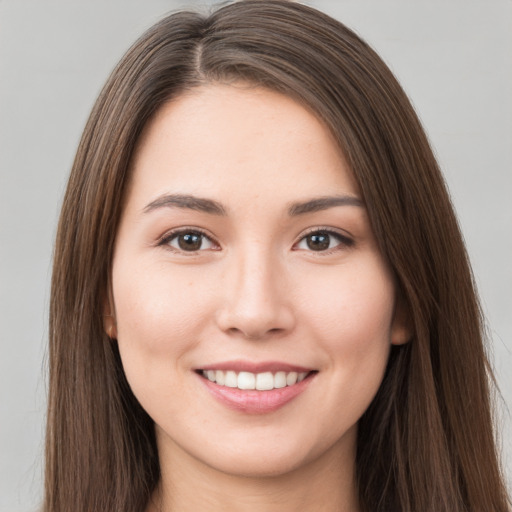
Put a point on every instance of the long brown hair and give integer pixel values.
(426, 442)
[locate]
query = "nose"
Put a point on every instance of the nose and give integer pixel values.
(256, 303)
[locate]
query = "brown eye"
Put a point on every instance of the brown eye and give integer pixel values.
(189, 241)
(322, 240)
(318, 241)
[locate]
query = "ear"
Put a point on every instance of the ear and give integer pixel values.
(109, 317)
(401, 327)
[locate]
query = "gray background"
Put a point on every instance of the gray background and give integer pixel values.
(454, 58)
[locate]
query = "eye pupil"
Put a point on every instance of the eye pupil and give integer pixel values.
(190, 241)
(318, 241)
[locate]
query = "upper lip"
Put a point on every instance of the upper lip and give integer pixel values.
(256, 367)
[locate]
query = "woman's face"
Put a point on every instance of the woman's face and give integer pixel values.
(245, 259)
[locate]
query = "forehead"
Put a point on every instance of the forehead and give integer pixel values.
(221, 139)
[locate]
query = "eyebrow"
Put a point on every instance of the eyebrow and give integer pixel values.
(210, 206)
(323, 203)
(187, 202)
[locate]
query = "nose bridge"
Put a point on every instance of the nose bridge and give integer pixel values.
(255, 279)
(255, 302)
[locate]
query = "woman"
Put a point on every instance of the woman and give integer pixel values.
(260, 296)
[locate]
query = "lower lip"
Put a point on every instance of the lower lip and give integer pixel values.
(253, 401)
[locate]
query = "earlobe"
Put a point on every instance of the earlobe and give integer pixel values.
(400, 335)
(109, 326)
(109, 319)
(401, 328)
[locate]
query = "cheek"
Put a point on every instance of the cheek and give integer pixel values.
(351, 317)
(159, 319)
(152, 305)
(351, 305)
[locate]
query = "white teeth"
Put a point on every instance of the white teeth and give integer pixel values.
(291, 378)
(220, 378)
(246, 380)
(261, 381)
(301, 376)
(231, 380)
(280, 380)
(264, 381)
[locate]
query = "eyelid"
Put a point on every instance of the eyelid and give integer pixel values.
(346, 239)
(164, 239)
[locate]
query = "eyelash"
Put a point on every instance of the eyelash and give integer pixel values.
(343, 240)
(166, 239)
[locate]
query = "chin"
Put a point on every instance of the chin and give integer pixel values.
(271, 466)
(275, 455)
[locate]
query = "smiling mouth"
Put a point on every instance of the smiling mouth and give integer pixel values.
(264, 381)
(255, 388)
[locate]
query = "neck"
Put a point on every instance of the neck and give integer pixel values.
(326, 484)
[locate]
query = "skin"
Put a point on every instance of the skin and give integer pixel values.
(254, 291)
